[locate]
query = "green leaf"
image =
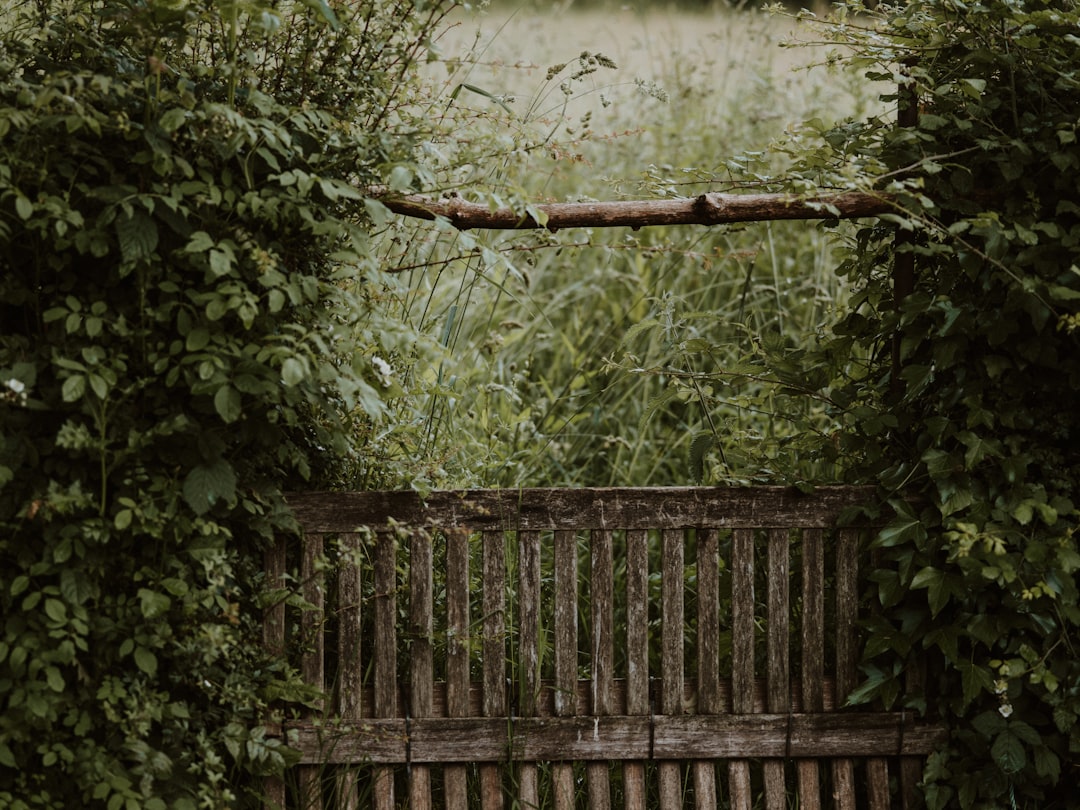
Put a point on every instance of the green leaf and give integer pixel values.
(73, 388)
(207, 484)
(1008, 752)
(137, 235)
(293, 371)
(901, 530)
(56, 610)
(699, 446)
(19, 584)
(54, 679)
(975, 679)
(153, 604)
(227, 403)
(173, 119)
(146, 661)
(324, 8)
(200, 242)
(220, 263)
(123, 519)
(75, 586)
(23, 207)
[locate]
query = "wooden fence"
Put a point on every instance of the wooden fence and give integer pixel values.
(683, 647)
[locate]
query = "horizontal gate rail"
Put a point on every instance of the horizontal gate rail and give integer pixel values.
(668, 647)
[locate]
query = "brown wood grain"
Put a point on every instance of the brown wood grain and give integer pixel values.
(494, 654)
(385, 652)
(637, 653)
(813, 654)
(672, 562)
(708, 651)
(457, 653)
(742, 654)
(578, 509)
(421, 653)
(778, 615)
(529, 592)
(584, 718)
(705, 209)
(823, 736)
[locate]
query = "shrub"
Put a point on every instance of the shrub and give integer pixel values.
(975, 418)
(179, 209)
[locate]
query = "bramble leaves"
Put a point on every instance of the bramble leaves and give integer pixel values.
(983, 576)
(177, 343)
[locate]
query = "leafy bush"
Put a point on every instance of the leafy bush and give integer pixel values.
(179, 211)
(976, 418)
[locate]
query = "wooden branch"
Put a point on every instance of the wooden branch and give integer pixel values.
(705, 209)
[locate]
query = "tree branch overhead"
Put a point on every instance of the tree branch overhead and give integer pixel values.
(705, 209)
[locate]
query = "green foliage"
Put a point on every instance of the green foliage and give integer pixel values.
(610, 356)
(976, 421)
(179, 211)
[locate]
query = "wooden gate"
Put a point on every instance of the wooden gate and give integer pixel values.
(673, 647)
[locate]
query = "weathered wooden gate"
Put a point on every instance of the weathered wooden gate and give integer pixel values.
(669, 647)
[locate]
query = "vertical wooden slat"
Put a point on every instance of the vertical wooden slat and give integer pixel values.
(877, 783)
(779, 667)
(813, 654)
(911, 768)
(847, 606)
(385, 652)
(494, 655)
(708, 634)
(672, 552)
(742, 653)
(350, 684)
(274, 641)
(312, 667)
(566, 654)
(457, 653)
(421, 655)
(637, 653)
(529, 624)
(602, 664)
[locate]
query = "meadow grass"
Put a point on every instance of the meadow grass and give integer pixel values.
(602, 357)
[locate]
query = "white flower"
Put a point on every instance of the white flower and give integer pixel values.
(16, 391)
(384, 369)
(1005, 709)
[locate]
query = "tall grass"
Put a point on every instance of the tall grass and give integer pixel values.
(594, 357)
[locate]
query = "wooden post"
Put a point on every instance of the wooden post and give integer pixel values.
(708, 632)
(529, 630)
(637, 652)
(350, 681)
(672, 554)
(742, 653)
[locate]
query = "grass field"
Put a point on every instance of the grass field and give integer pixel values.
(612, 357)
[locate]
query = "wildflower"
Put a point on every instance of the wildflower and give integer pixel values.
(16, 391)
(384, 370)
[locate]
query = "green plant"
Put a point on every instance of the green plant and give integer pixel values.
(179, 215)
(972, 420)
(591, 356)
